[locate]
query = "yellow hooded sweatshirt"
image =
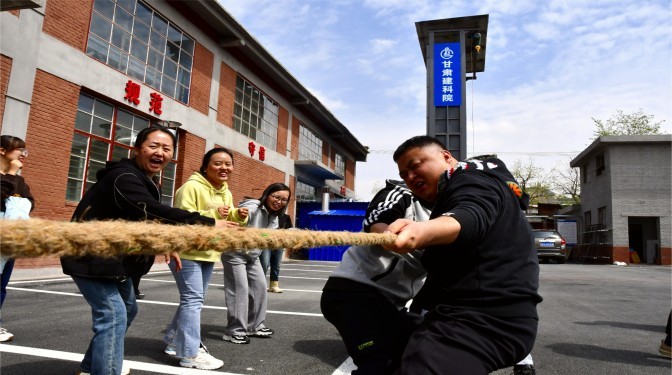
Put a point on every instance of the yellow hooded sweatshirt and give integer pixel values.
(198, 195)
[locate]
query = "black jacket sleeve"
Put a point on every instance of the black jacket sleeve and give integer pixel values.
(14, 185)
(474, 199)
(131, 196)
(285, 222)
(388, 205)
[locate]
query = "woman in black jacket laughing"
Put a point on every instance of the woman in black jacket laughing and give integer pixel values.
(125, 190)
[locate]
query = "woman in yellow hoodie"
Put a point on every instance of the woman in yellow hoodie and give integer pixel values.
(207, 193)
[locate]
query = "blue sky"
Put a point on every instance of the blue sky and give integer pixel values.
(551, 66)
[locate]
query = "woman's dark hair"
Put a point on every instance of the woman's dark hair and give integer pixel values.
(208, 156)
(144, 133)
(11, 143)
(272, 188)
(416, 142)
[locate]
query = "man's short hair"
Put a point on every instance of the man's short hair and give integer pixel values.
(418, 141)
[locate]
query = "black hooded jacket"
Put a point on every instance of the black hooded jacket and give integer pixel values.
(492, 266)
(123, 192)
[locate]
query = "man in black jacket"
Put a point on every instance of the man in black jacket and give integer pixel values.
(480, 295)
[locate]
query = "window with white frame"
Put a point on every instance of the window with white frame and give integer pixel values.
(104, 132)
(305, 192)
(310, 145)
(255, 114)
(133, 38)
(339, 165)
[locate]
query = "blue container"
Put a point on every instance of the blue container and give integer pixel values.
(304, 209)
(334, 220)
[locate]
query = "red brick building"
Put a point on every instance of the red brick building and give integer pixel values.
(79, 78)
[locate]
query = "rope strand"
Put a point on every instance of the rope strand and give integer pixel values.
(37, 237)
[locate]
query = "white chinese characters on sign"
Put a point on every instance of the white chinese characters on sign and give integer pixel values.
(447, 74)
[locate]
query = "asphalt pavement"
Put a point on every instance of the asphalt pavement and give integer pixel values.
(595, 319)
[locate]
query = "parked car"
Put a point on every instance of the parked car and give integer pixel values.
(550, 245)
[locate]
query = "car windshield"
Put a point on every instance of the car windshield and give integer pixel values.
(544, 234)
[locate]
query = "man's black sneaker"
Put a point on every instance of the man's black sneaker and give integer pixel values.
(236, 339)
(261, 332)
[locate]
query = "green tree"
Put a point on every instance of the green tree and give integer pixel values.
(636, 123)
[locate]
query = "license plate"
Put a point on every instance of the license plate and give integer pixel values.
(546, 244)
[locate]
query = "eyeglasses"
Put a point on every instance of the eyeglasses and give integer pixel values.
(279, 199)
(24, 152)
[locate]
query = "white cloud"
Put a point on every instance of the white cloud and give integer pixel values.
(330, 103)
(382, 45)
(550, 67)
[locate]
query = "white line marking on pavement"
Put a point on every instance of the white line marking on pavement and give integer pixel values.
(77, 357)
(221, 285)
(303, 278)
(345, 368)
(44, 291)
(310, 265)
(301, 290)
(290, 277)
(300, 270)
(39, 281)
(163, 303)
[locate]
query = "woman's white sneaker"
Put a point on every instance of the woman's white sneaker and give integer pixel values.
(203, 361)
(5, 336)
(170, 350)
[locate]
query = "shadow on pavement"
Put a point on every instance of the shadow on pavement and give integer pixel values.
(45, 367)
(598, 353)
(148, 348)
(331, 352)
(641, 327)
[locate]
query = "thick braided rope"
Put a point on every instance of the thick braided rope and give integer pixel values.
(36, 237)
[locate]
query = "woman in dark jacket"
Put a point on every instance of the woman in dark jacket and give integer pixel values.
(12, 153)
(124, 190)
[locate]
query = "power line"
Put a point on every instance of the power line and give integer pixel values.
(530, 153)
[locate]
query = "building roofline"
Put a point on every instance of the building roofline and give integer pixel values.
(618, 139)
(232, 37)
(447, 30)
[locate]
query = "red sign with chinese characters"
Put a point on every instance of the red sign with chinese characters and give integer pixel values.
(132, 92)
(155, 103)
(251, 147)
(133, 96)
(262, 153)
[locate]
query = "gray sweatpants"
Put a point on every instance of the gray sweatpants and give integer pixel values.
(245, 291)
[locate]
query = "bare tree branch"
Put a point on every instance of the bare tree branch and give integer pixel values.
(568, 183)
(533, 179)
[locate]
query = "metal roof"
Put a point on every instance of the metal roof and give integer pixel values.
(232, 37)
(447, 31)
